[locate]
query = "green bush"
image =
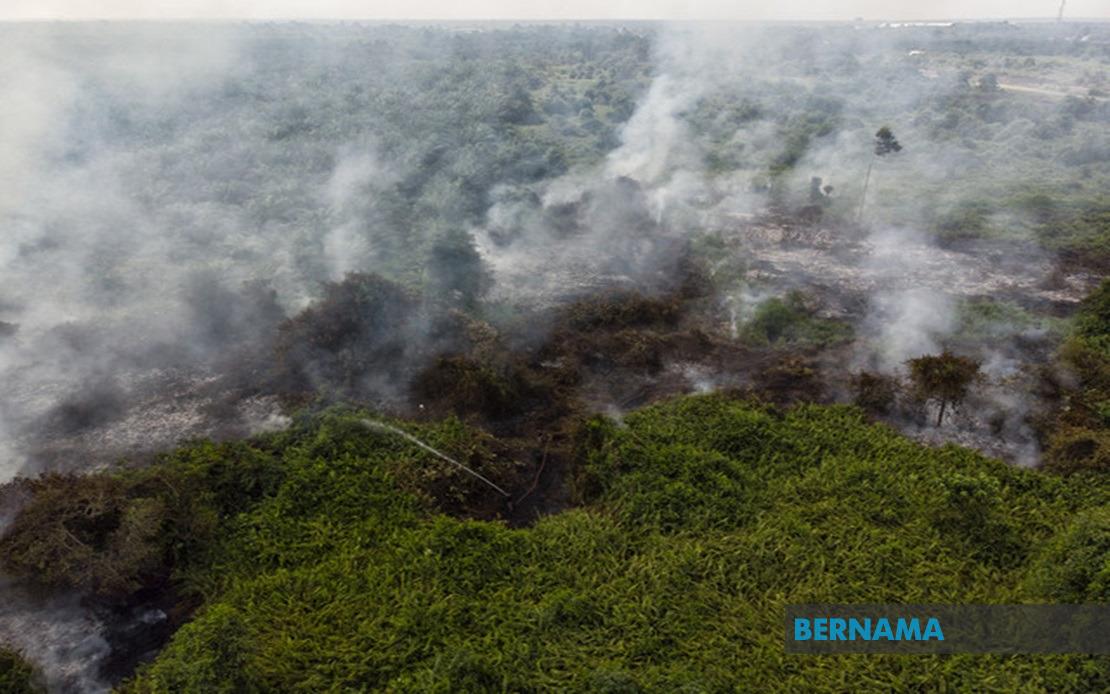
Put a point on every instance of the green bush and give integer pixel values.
(1093, 321)
(971, 511)
(984, 320)
(944, 378)
(1079, 231)
(1075, 565)
(875, 392)
(1079, 439)
(702, 518)
(88, 534)
(114, 533)
(1074, 449)
(969, 219)
(17, 676)
(465, 386)
(788, 321)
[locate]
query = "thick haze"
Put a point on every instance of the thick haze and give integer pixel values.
(169, 193)
(547, 9)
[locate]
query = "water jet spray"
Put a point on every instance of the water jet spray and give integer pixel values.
(383, 427)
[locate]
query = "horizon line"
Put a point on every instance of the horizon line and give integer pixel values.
(520, 20)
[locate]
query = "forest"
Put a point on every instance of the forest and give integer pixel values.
(466, 357)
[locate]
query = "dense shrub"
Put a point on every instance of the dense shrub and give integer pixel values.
(1075, 565)
(703, 517)
(114, 533)
(1079, 439)
(1077, 448)
(982, 320)
(455, 271)
(357, 327)
(969, 219)
(17, 676)
(874, 392)
(89, 534)
(943, 378)
(1080, 232)
(789, 321)
(1093, 320)
(466, 386)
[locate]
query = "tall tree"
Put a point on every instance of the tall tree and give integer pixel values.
(885, 143)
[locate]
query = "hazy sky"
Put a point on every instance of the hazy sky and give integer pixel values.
(547, 9)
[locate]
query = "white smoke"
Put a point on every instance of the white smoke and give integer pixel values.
(58, 634)
(655, 142)
(359, 175)
(909, 324)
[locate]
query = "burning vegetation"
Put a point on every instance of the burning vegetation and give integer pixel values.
(546, 358)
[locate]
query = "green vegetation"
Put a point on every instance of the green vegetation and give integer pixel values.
(359, 325)
(967, 219)
(336, 556)
(1073, 567)
(876, 393)
(699, 519)
(469, 387)
(944, 378)
(1080, 436)
(115, 533)
(1080, 232)
(788, 321)
(455, 270)
(1092, 325)
(1075, 226)
(16, 674)
(981, 320)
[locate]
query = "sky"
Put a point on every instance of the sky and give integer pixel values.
(548, 9)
